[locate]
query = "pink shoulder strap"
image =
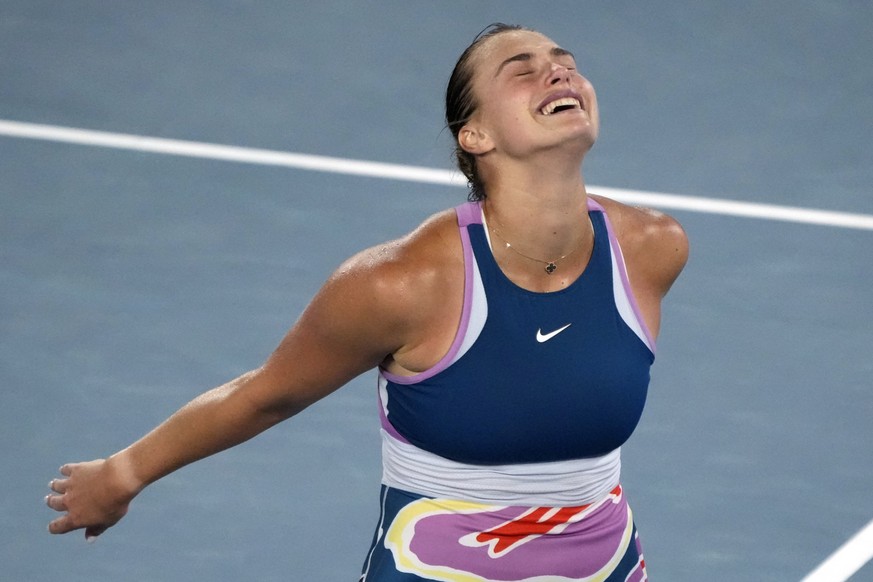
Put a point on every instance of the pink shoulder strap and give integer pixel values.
(469, 213)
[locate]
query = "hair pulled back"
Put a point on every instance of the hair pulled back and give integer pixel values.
(461, 105)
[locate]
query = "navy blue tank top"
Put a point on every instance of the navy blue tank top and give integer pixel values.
(547, 377)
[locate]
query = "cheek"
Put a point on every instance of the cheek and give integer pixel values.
(511, 124)
(502, 113)
(511, 108)
(588, 90)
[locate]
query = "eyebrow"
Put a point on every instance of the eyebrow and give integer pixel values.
(522, 57)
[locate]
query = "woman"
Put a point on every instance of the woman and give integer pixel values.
(513, 337)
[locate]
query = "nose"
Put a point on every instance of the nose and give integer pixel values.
(558, 73)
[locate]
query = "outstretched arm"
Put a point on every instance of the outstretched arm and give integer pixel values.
(351, 325)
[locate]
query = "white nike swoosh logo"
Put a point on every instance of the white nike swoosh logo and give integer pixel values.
(546, 337)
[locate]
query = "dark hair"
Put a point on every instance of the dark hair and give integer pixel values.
(460, 105)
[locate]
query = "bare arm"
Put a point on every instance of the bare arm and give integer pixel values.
(351, 325)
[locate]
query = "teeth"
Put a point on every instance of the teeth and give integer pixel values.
(550, 108)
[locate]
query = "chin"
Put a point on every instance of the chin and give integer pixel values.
(585, 137)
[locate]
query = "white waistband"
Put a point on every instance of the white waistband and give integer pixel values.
(557, 483)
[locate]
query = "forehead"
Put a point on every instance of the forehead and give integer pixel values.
(496, 49)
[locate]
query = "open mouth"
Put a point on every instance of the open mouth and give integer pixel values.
(562, 102)
(565, 104)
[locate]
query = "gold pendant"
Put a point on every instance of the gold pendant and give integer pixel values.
(550, 267)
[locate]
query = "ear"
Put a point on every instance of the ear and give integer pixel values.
(473, 140)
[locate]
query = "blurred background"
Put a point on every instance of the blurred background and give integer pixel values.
(133, 281)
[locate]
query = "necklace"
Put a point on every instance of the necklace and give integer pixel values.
(550, 266)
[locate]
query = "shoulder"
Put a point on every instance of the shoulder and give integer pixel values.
(643, 225)
(410, 260)
(396, 284)
(654, 244)
(371, 308)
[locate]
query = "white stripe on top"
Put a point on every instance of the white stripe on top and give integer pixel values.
(556, 483)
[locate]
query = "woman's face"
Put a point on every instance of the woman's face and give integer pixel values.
(530, 96)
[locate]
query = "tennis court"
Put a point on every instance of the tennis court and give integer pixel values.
(178, 179)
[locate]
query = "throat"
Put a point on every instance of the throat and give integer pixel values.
(537, 272)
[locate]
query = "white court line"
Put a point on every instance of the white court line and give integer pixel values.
(847, 560)
(838, 568)
(175, 147)
(412, 173)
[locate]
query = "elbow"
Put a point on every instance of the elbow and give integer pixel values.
(264, 398)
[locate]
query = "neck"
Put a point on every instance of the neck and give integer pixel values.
(540, 211)
(541, 247)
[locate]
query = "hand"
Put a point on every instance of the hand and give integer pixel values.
(94, 495)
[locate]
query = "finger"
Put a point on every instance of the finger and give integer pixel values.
(58, 485)
(56, 502)
(66, 470)
(62, 525)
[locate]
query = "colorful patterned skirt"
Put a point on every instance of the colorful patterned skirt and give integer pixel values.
(421, 538)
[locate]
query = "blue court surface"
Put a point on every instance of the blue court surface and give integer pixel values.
(135, 276)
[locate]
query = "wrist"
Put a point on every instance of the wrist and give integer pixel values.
(124, 474)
